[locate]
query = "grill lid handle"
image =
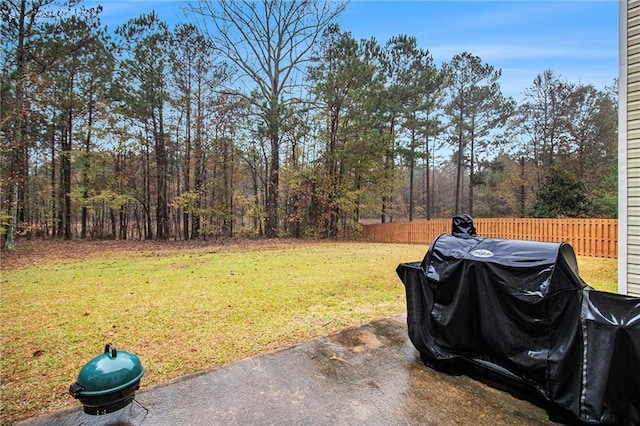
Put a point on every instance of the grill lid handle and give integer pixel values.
(75, 389)
(110, 347)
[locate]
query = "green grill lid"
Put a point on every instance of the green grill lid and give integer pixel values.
(109, 372)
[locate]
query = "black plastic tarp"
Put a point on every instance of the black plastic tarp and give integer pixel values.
(520, 309)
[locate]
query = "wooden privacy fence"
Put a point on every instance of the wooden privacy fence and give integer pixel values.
(588, 237)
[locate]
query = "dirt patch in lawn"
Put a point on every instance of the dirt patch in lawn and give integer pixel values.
(34, 252)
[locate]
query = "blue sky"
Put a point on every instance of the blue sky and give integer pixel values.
(578, 40)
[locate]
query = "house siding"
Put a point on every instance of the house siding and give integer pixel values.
(632, 145)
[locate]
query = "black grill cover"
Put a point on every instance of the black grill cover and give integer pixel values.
(519, 308)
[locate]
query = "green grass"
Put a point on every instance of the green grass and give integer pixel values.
(187, 310)
(599, 273)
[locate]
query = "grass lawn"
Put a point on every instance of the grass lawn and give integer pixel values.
(184, 308)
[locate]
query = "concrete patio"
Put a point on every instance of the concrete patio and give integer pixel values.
(366, 375)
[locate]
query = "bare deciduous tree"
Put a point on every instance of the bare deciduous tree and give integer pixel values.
(269, 42)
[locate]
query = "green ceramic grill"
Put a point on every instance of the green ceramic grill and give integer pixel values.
(108, 382)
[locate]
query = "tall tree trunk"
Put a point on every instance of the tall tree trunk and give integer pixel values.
(113, 222)
(411, 167)
(197, 184)
(456, 210)
(54, 194)
(60, 188)
(187, 161)
(162, 214)
(231, 185)
(427, 180)
(356, 211)
(124, 223)
(471, 168)
(226, 189)
(147, 193)
(272, 186)
(85, 172)
(331, 225)
(252, 162)
(198, 169)
(65, 169)
(389, 166)
(522, 187)
(18, 168)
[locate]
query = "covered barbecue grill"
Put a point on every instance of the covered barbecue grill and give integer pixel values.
(520, 310)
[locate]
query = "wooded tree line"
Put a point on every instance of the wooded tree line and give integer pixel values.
(266, 118)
